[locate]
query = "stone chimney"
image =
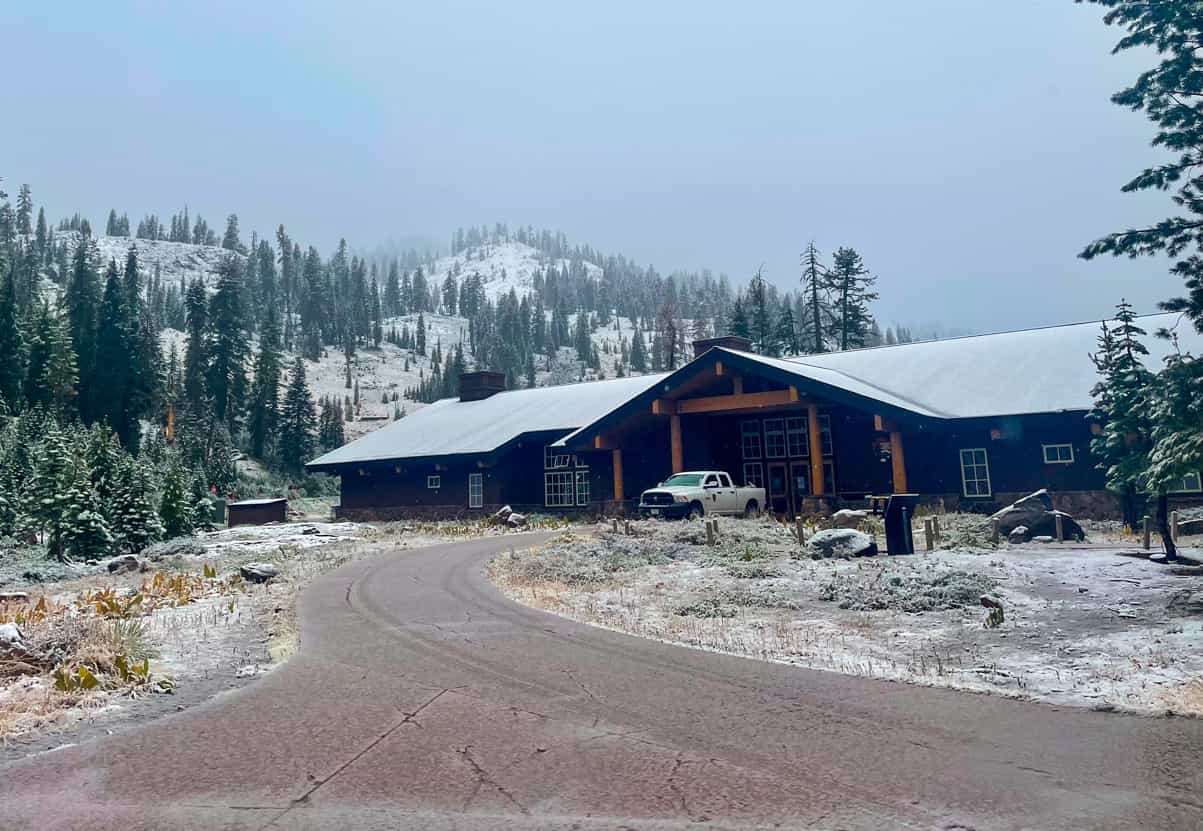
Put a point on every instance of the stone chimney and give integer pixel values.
(732, 342)
(476, 386)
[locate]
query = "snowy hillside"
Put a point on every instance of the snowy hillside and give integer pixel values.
(502, 266)
(175, 260)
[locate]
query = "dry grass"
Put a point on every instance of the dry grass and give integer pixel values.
(1185, 699)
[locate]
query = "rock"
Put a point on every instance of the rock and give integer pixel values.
(842, 543)
(503, 513)
(990, 602)
(179, 547)
(10, 635)
(848, 518)
(516, 520)
(126, 563)
(258, 572)
(1018, 534)
(1035, 513)
(14, 597)
(1190, 527)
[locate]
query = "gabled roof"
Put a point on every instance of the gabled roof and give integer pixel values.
(978, 376)
(452, 427)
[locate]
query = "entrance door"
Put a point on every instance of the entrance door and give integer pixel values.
(778, 489)
(799, 481)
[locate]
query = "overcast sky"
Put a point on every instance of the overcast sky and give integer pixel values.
(968, 149)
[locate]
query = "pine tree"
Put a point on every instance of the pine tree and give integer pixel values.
(230, 241)
(175, 504)
(84, 530)
(82, 300)
(114, 360)
(638, 351)
(265, 389)
(761, 322)
(59, 374)
(297, 421)
(24, 211)
(851, 285)
(421, 333)
(12, 347)
(786, 332)
(134, 522)
(196, 359)
(227, 345)
(738, 324)
(814, 282)
(54, 472)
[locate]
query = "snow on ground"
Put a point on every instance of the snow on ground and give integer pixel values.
(176, 260)
(502, 266)
(260, 539)
(1082, 626)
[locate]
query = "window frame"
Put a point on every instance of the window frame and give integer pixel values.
(803, 436)
(1044, 448)
(1198, 484)
(744, 435)
(476, 490)
(554, 458)
(826, 437)
(563, 484)
(748, 480)
(778, 432)
(985, 465)
(434, 482)
(583, 494)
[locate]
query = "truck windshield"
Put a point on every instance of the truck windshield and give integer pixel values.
(688, 480)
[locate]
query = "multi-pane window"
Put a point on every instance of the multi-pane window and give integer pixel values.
(434, 482)
(1190, 483)
(476, 490)
(1058, 454)
(754, 474)
(558, 489)
(750, 439)
(774, 438)
(975, 472)
(582, 487)
(797, 436)
(825, 441)
(555, 458)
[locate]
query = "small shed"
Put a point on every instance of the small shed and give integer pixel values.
(257, 511)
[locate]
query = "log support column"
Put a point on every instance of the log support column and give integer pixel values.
(616, 456)
(898, 461)
(678, 455)
(816, 451)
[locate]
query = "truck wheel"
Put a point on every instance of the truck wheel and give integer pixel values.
(696, 511)
(751, 509)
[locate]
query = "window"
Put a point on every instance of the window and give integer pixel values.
(828, 476)
(825, 441)
(797, 436)
(582, 487)
(476, 490)
(434, 482)
(753, 474)
(975, 472)
(1058, 454)
(724, 480)
(750, 435)
(554, 458)
(774, 438)
(558, 489)
(1190, 483)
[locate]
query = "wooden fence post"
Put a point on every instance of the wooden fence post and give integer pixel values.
(1174, 526)
(929, 534)
(1147, 531)
(1060, 524)
(801, 533)
(935, 525)
(710, 532)
(994, 531)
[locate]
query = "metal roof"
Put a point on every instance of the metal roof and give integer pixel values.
(451, 427)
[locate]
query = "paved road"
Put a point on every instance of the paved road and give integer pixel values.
(423, 699)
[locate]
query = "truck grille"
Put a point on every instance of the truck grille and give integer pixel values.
(657, 499)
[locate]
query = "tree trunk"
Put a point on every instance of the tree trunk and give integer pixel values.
(1163, 526)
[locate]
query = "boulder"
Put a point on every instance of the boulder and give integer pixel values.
(503, 513)
(1036, 515)
(842, 543)
(848, 518)
(515, 520)
(125, 563)
(1024, 512)
(258, 572)
(1018, 534)
(10, 636)
(1190, 527)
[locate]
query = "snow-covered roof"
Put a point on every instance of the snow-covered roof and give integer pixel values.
(1009, 373)
(249, 502)
(450, 426)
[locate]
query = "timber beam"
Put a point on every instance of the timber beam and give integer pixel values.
(727, 403)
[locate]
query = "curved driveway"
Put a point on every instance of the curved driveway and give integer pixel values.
(422, 698)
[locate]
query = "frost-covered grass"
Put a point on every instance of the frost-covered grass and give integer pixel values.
(1081, 626)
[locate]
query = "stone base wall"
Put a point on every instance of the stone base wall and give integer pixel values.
(1078, 504)
(394, 513)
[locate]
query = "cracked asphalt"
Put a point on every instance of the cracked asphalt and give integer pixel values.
(421, 698)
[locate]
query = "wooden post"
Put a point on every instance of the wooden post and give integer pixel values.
(801, 533)
(709, 532)
(1148, 528)
(615, 526)
(616, 457)
(898, 460)
(816, 450)
(929, 534)
(935, 524)
(1060, 527)
(678, 455)
(1174, 526)
(994, 531)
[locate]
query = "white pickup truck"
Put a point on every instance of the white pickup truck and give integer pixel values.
(696, 493)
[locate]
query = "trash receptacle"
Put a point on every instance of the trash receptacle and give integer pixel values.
(899, 510)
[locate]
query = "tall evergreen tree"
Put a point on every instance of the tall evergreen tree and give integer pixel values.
(196, 355)
(227, 345)
(82, 301)
(852, 289)
(297, 421)
(115, 360)
(265, 389)
(814, 282)
(12, 347)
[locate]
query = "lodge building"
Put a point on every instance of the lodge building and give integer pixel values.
(973, 422)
